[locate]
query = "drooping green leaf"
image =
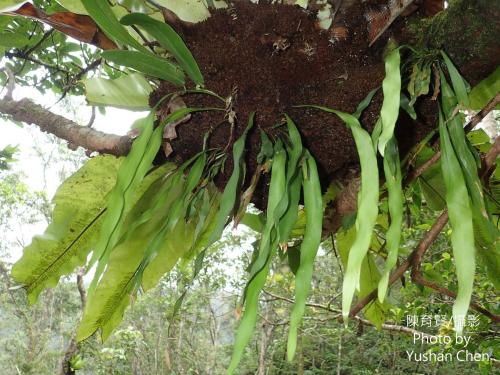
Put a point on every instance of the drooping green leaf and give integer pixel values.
(274, 212)
(120, 201)
(405, 105)
(391, 86)
(370, 276)
(367, 206)
(128, 91)
(176, 214)
(228, 199)
(459, 84)
(392, 171)
(103, 15)
(462, 236)
(313, 204)
(76, 220)
(105, 307)
(148, 64)
(487, 233)
(169, 39)
(287, 209)
(261, 264)
(485, 90)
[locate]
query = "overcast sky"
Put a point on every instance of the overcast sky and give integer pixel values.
(115, 121)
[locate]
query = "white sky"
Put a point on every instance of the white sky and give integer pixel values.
(116, 121)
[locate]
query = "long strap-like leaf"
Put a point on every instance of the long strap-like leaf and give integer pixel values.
(261, 265)
(392, 171)
(169, 39)
(103, 15)
(391, 86)
(313, 205)
(462, 235)
(367, 206)
(148, 64)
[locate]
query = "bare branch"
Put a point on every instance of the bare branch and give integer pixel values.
(386, 327)
(417, 254)
(476, 119)
(92, 140)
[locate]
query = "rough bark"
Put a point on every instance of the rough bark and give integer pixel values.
(92, 140)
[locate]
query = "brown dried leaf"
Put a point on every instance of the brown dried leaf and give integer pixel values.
(78, 26)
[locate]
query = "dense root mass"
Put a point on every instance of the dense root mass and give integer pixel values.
(271, 58)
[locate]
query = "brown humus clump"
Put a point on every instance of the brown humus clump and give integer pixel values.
(272, 57)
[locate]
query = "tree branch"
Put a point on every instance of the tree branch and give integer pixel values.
(92, 140)
(417, 254)
(476, 119)
(386, 327)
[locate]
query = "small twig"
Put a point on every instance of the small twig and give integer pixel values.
(43, 39)
(418, 253)
(418, 278)
(474, 121)
(92, 117)
(23, 56)
(387, 327)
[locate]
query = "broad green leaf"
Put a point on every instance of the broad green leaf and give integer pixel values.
(148, 64)
(76, 221)
(168, 38)
(181, 242)
(391, 86)
(13, 40)
(392, 172)
(101, 13)
(485, 90)
(10, 5)
(253, 221)
(462, 235)
(74, 6)
(370, 277)
(107, 303)
(111, 296)
(189, 10)
(313, 204)
(128, 91)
